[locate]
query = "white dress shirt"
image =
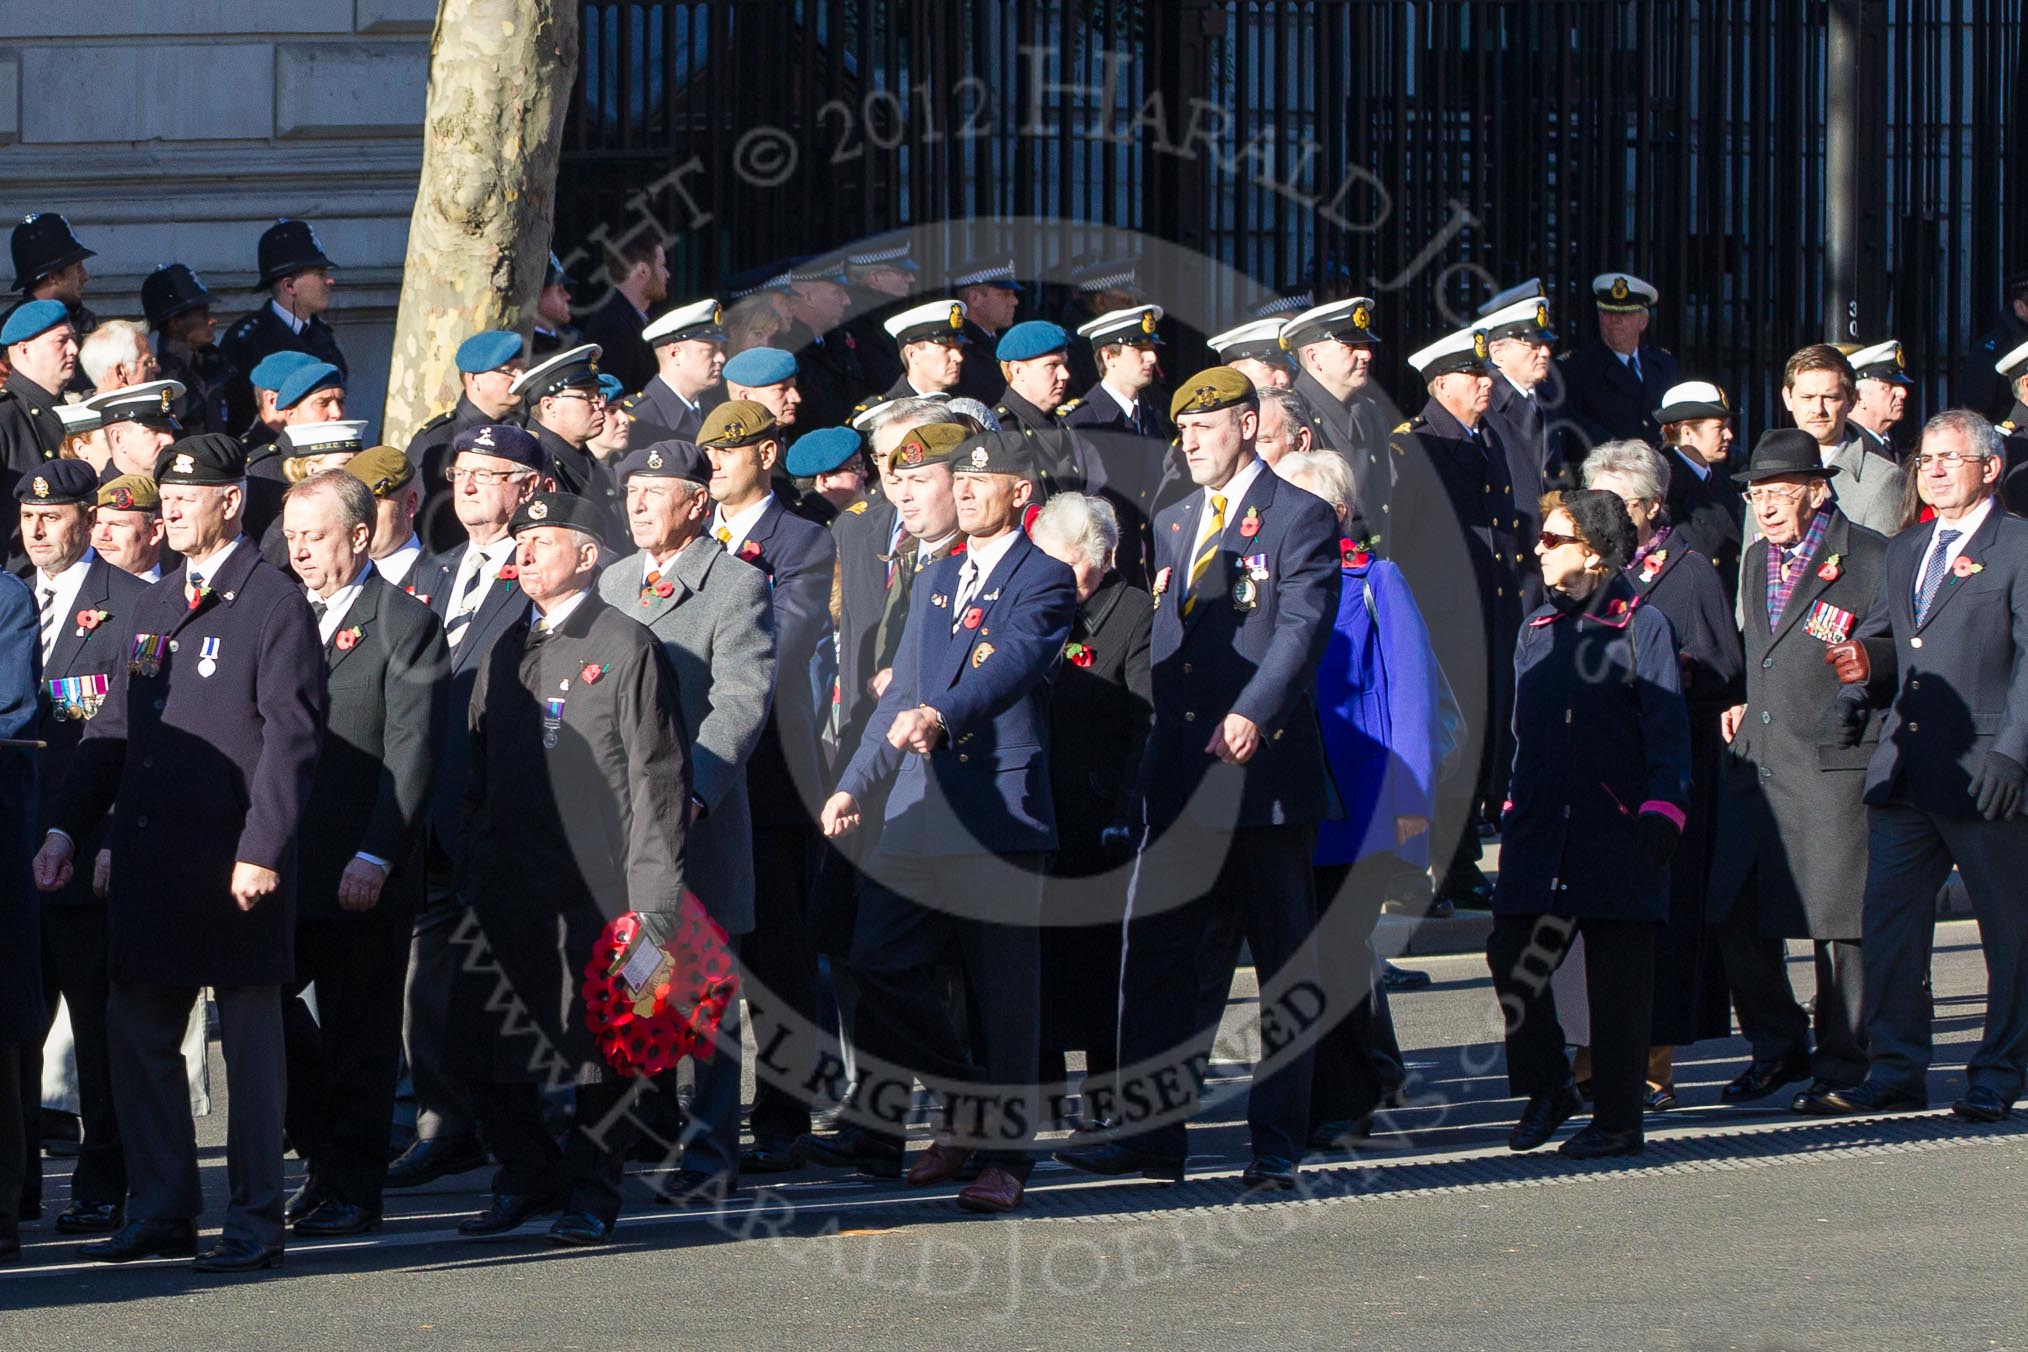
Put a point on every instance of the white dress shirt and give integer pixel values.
(295, 325)
(207, 567)
(553, 621)
(1233, 491)
(736, 527)
(66, 586)
(1129, 404)
(1966, 526)
(397, 566)
(980, 561)
(1692, 463)
(337, 603)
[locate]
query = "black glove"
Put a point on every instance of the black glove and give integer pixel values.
(1657, 836)
(1997, 787)
(1844, 724)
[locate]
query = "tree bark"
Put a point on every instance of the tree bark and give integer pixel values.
(501, 73)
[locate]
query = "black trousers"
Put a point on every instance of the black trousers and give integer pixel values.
(343, 1063)
(14, 1142)
(1348, 1079)
(1523, 952)
(1775, 1025)
(906, 1019)
(584, 1173)
(443, 1097)
(75, 967)
(780, 959)
(1192, 885)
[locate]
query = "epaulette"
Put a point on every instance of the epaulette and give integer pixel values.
(858, 508)
(434, 423)
(2007, 426)
(1066, 406)
(6, 394)
(1564, 355)
(632, 399)
(245, 326)
(1408, 426)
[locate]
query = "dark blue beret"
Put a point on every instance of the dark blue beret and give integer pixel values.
(58, 483)
(504, 441)
(668, 460)
(560, 509)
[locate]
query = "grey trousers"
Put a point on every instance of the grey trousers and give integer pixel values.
(1908, 856)
(151, 1095)
(1774, 1024)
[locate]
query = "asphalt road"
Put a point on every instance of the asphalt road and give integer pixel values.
(1737, 1229)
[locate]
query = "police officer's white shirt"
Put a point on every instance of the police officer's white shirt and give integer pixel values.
(736, 527)
(337, 603)
(1525, 391)
(65, 586)
(553, 621)
(398, 565)
(1232, 493)
(295, 325)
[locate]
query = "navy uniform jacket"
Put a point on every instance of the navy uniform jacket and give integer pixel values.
(261, 332)
(83, 657)
(502, 604)
(828, 375)
(616, 327)
(205, 373)
(657, 403)
(1978, 386)
(862, 534)
(1600, 736)
(29, 434)
(1100, 714)
(1099, 411)
(429, 450)
(2014, 479)
(1522, 426)
(1064, 463)
(1961, 676)
(879, 359)
(387, 692)
(985, 788)
(1605, 400)
(1792, 824)
(1709, 516)
(22, 1015)
(201, 771)
(578, 471)
(1357, 432)
(1261, 664)
(786, 778)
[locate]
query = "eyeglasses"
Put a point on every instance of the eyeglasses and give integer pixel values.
(595, 400)
(1762, 496)
(485, 478)
(1948, 459)
(1549, 539)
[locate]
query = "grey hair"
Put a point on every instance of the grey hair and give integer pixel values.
(920, 411)
(355, 499)
(1323, 473)
(976, 411)
(1087, 525)
(1980, 435)
(1633, 460)
(112, 343)
(1294, 406)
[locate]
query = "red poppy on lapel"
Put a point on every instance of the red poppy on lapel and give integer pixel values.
(956, 549)
(1829, 572)
(750, 550)
(1078, 654)
(88, 620)
(348, 639)
(1352, 554)
(973, 616)
(1249, 525)
(1964, 567)
(592, 671)
(665, 589)
(508, 572)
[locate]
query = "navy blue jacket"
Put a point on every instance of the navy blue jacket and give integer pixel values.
(1600, 736)
(1601, 395)
(985, 788)
(786, 778)
(22, 1016)
(1962, 675)
(433, 578)
(1261, 663)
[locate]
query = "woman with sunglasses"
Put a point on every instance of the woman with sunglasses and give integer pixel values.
(1596, 806)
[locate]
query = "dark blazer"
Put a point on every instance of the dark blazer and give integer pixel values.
(577, 801)
(1708, 515)
(1064, 462)
(1600, 736)
(204, 770)
(259, 333)
(1603, 398)
(1099, 715)
(387, 692)
(787, 777)
(503, 605)
(1961, 677)
(656, 402)
(1098, 411)
(616, 327)
(1358, 432)
(83, 654)
(23, 1018)
(861, 538)
(985, 788)
(828, 374)
(429, 450)
(1522, 426)
(1791, 822)
(1261, 663)
(578, 471)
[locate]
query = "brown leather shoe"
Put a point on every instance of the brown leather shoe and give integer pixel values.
(994, 1190)
(939, 1164)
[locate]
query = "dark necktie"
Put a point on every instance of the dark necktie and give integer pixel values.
(894, 615)
(1933, 572)
(318, 610)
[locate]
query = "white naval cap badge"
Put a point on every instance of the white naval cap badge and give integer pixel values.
(538, 510)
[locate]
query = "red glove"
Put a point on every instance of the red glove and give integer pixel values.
(1849, 660)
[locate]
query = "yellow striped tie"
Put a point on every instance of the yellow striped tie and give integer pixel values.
(1207, 553)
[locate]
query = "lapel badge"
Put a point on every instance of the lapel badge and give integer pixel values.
(1245, 595)
(980, 654)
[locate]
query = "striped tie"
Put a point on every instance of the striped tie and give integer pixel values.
(1207, 553)
(1932, 573)
(48, 622)
(463, 606)
(724, 536)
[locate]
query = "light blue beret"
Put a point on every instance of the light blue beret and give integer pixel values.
(488, 351)
(1031, 338)
(760, 366)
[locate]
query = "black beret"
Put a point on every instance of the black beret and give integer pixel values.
(668, 460)
(560, 509)
(59, 483)
(208, 458)
(503, 441)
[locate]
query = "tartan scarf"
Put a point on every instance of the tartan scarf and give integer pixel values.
(1780, 588)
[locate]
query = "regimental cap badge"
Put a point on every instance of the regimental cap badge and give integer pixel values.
(655, 459)
(957, 315)
(1541, 315)
(1283, 339)
(184, 464)
(1619, 291)
(732, 429)
(979, 457)
(537, 511)
(1147, 321)
(1362, 318)
(167, 399)
(122, 500)
(1479, 344)
(484, 437)
(717, 313)
(41, 487)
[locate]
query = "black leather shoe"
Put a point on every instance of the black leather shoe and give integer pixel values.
(338, 1218)
(505, 1214)
(1660, 1100)
(1544, 1114)
(694, 1187)
(1269, 1171)
(10, 1249)
(579, 1228)
(1857, 1101)
(1114, 1159)
(1594, 1142)
(1981, 1104)
(1759, 1080)
(143, 1239)
(305, 1199)
(771, 1157)
(1404, 978)
(438, 1157)
(86, 1218)
(850, 1148)
(1341, 1132)
(238, 1255)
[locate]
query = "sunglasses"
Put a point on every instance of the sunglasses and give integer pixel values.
(1551, 540)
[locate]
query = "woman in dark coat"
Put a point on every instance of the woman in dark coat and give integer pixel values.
(1098, 724)
(1691, 998)
(1596, 805)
